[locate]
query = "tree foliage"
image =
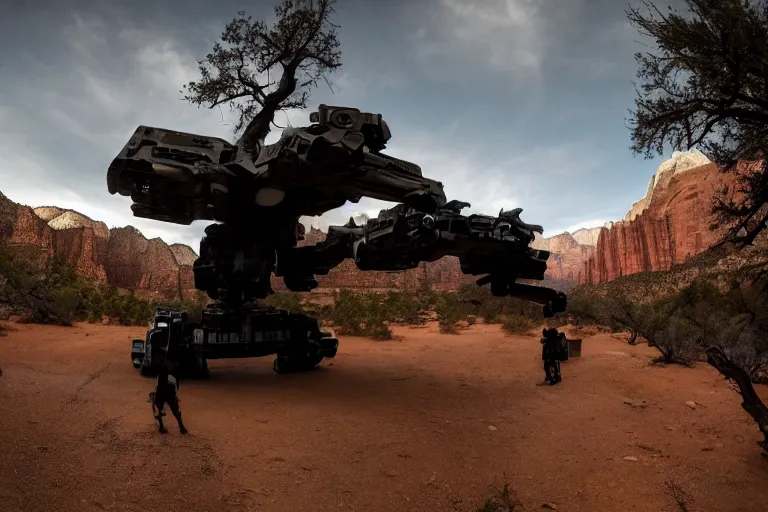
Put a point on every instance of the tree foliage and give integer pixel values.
(241, 70)
(705, 85)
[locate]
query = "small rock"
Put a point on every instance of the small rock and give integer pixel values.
(548, 506)
(739, 439)
(691, 404)
(630, 458)
(390, 473)
(707, 448)
(491, 427)
(641, 404)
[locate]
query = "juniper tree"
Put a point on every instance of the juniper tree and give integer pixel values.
(705, 85)
(259, 70)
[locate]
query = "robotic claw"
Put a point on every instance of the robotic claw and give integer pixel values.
(181, 177)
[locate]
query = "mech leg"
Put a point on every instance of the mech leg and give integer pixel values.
(173, 403)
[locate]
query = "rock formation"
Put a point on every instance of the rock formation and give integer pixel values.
(568, 255)
(670, 224)
(120, 257)
(124, 258)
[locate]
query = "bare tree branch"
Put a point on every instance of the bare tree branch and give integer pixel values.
(302, 42)
(706, 84)
(752, 403)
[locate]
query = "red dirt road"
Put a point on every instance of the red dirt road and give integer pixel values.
(425, 423)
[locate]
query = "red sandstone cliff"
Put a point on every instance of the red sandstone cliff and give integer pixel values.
(567, 255)
(670, 224)
(121, 257)
(124, 258)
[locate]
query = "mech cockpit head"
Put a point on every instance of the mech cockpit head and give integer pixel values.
(372, 126)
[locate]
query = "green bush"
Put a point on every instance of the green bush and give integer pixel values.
(682, 324)
(289, 301)
(517, 324)
(449, 312)
(404, 308)
(360, 314)
(501, 500)
(53, 293)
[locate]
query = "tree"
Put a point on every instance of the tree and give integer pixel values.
(751, 401)
(240, 69)
(706, 86)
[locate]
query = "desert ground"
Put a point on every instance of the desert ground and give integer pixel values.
(427, 422)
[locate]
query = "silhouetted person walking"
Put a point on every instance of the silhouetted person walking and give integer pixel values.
(165, 393)
(550, 354)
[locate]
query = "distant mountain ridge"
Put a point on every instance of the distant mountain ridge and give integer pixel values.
(666, 226)
(125, 258)
(122, 257)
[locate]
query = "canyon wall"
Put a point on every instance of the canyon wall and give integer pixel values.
(121, 257)
(124, 258)
(670, 224)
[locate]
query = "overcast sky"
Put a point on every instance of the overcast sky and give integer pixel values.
(507, 102)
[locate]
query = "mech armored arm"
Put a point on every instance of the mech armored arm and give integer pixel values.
(402, 237)
(180, 177)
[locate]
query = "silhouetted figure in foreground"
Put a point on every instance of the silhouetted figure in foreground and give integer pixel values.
(165, 393)
(552, 342)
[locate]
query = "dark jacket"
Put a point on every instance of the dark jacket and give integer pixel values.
(167, 382)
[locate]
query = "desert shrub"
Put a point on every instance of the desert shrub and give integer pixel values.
(671, 334)
(585, 307)
(66, 301)
(405, 308)
(290, 301)
(360, 314)
(31, 290)
(449, 312)
(128, 309)
(194, 306)
(735, 319)
(611, 309)
(501, 500)
(517, 324)
(683, 323)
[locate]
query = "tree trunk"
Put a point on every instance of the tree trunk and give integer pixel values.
(752, 403)
(257, 130)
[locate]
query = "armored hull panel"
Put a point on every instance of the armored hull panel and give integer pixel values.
(233, 333)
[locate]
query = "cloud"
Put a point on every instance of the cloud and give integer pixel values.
(509, 32)
(528, 140)
(514, 37)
